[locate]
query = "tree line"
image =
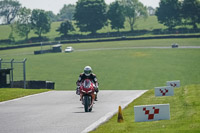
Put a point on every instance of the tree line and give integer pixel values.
(92, 15)
(174, 13)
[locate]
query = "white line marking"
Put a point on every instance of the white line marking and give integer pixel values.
(108, 116)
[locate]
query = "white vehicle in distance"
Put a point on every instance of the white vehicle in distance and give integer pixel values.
(69, 49)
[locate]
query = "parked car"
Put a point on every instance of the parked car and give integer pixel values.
(69, 49)
(174, 45)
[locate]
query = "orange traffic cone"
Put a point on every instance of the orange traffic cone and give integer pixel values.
(120, 117)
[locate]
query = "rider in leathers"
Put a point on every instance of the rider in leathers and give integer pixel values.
(87, 74)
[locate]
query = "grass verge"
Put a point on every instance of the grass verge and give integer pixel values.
(12, 93)
(184, 111)
(118, 69)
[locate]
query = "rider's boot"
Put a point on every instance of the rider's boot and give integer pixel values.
(96, 91)
(95, 97)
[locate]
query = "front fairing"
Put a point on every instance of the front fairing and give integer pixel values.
(87, 87)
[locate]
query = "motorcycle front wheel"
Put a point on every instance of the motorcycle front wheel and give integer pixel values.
(87, 102)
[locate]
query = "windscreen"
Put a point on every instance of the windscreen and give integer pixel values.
(87, 84)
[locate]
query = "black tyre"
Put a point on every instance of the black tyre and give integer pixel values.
(86, 103)
(90, 101)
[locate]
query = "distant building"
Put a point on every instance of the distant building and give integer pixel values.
(151, 11)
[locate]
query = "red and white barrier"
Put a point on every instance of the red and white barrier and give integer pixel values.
(164, 91)
(152, 112)
(174, 83)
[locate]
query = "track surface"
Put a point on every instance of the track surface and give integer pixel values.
(117, 48)
(60, 112)
(145, 47)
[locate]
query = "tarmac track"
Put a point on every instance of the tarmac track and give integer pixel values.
(151, 47)
(61, 112)
(117, 48)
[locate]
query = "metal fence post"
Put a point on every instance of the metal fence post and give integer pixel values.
(12, 72)
(12, 62)
(41, 51)
(24, 72)
(0, 62)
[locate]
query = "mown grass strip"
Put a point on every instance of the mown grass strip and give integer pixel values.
(12, 93)
(184, 109)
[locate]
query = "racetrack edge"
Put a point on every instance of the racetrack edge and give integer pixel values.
(109, 115)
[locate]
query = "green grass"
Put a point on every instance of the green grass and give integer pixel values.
(150, 23)
(51, 35)
(184, 112)
(4, 31)
(136, 43)
(113, 44)
(126, 69)
(12, 93)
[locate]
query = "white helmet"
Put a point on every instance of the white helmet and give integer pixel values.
(87, 70)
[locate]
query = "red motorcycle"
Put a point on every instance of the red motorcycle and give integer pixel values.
(87, 94)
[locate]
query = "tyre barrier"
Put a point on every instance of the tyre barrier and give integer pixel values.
(34, 84)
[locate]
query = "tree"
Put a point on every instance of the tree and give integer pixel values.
(116, 16)
(67, 12)
(65, 27)
(52, 16)
(40, 22)
(9, 10)
(168, 13)
(90, 15)
(191, 12)
(23, 24)
(11, 36)
(133, 10)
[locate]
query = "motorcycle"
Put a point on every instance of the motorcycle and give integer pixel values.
(87, 94)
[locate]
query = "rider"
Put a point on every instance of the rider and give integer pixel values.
(87, 74)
